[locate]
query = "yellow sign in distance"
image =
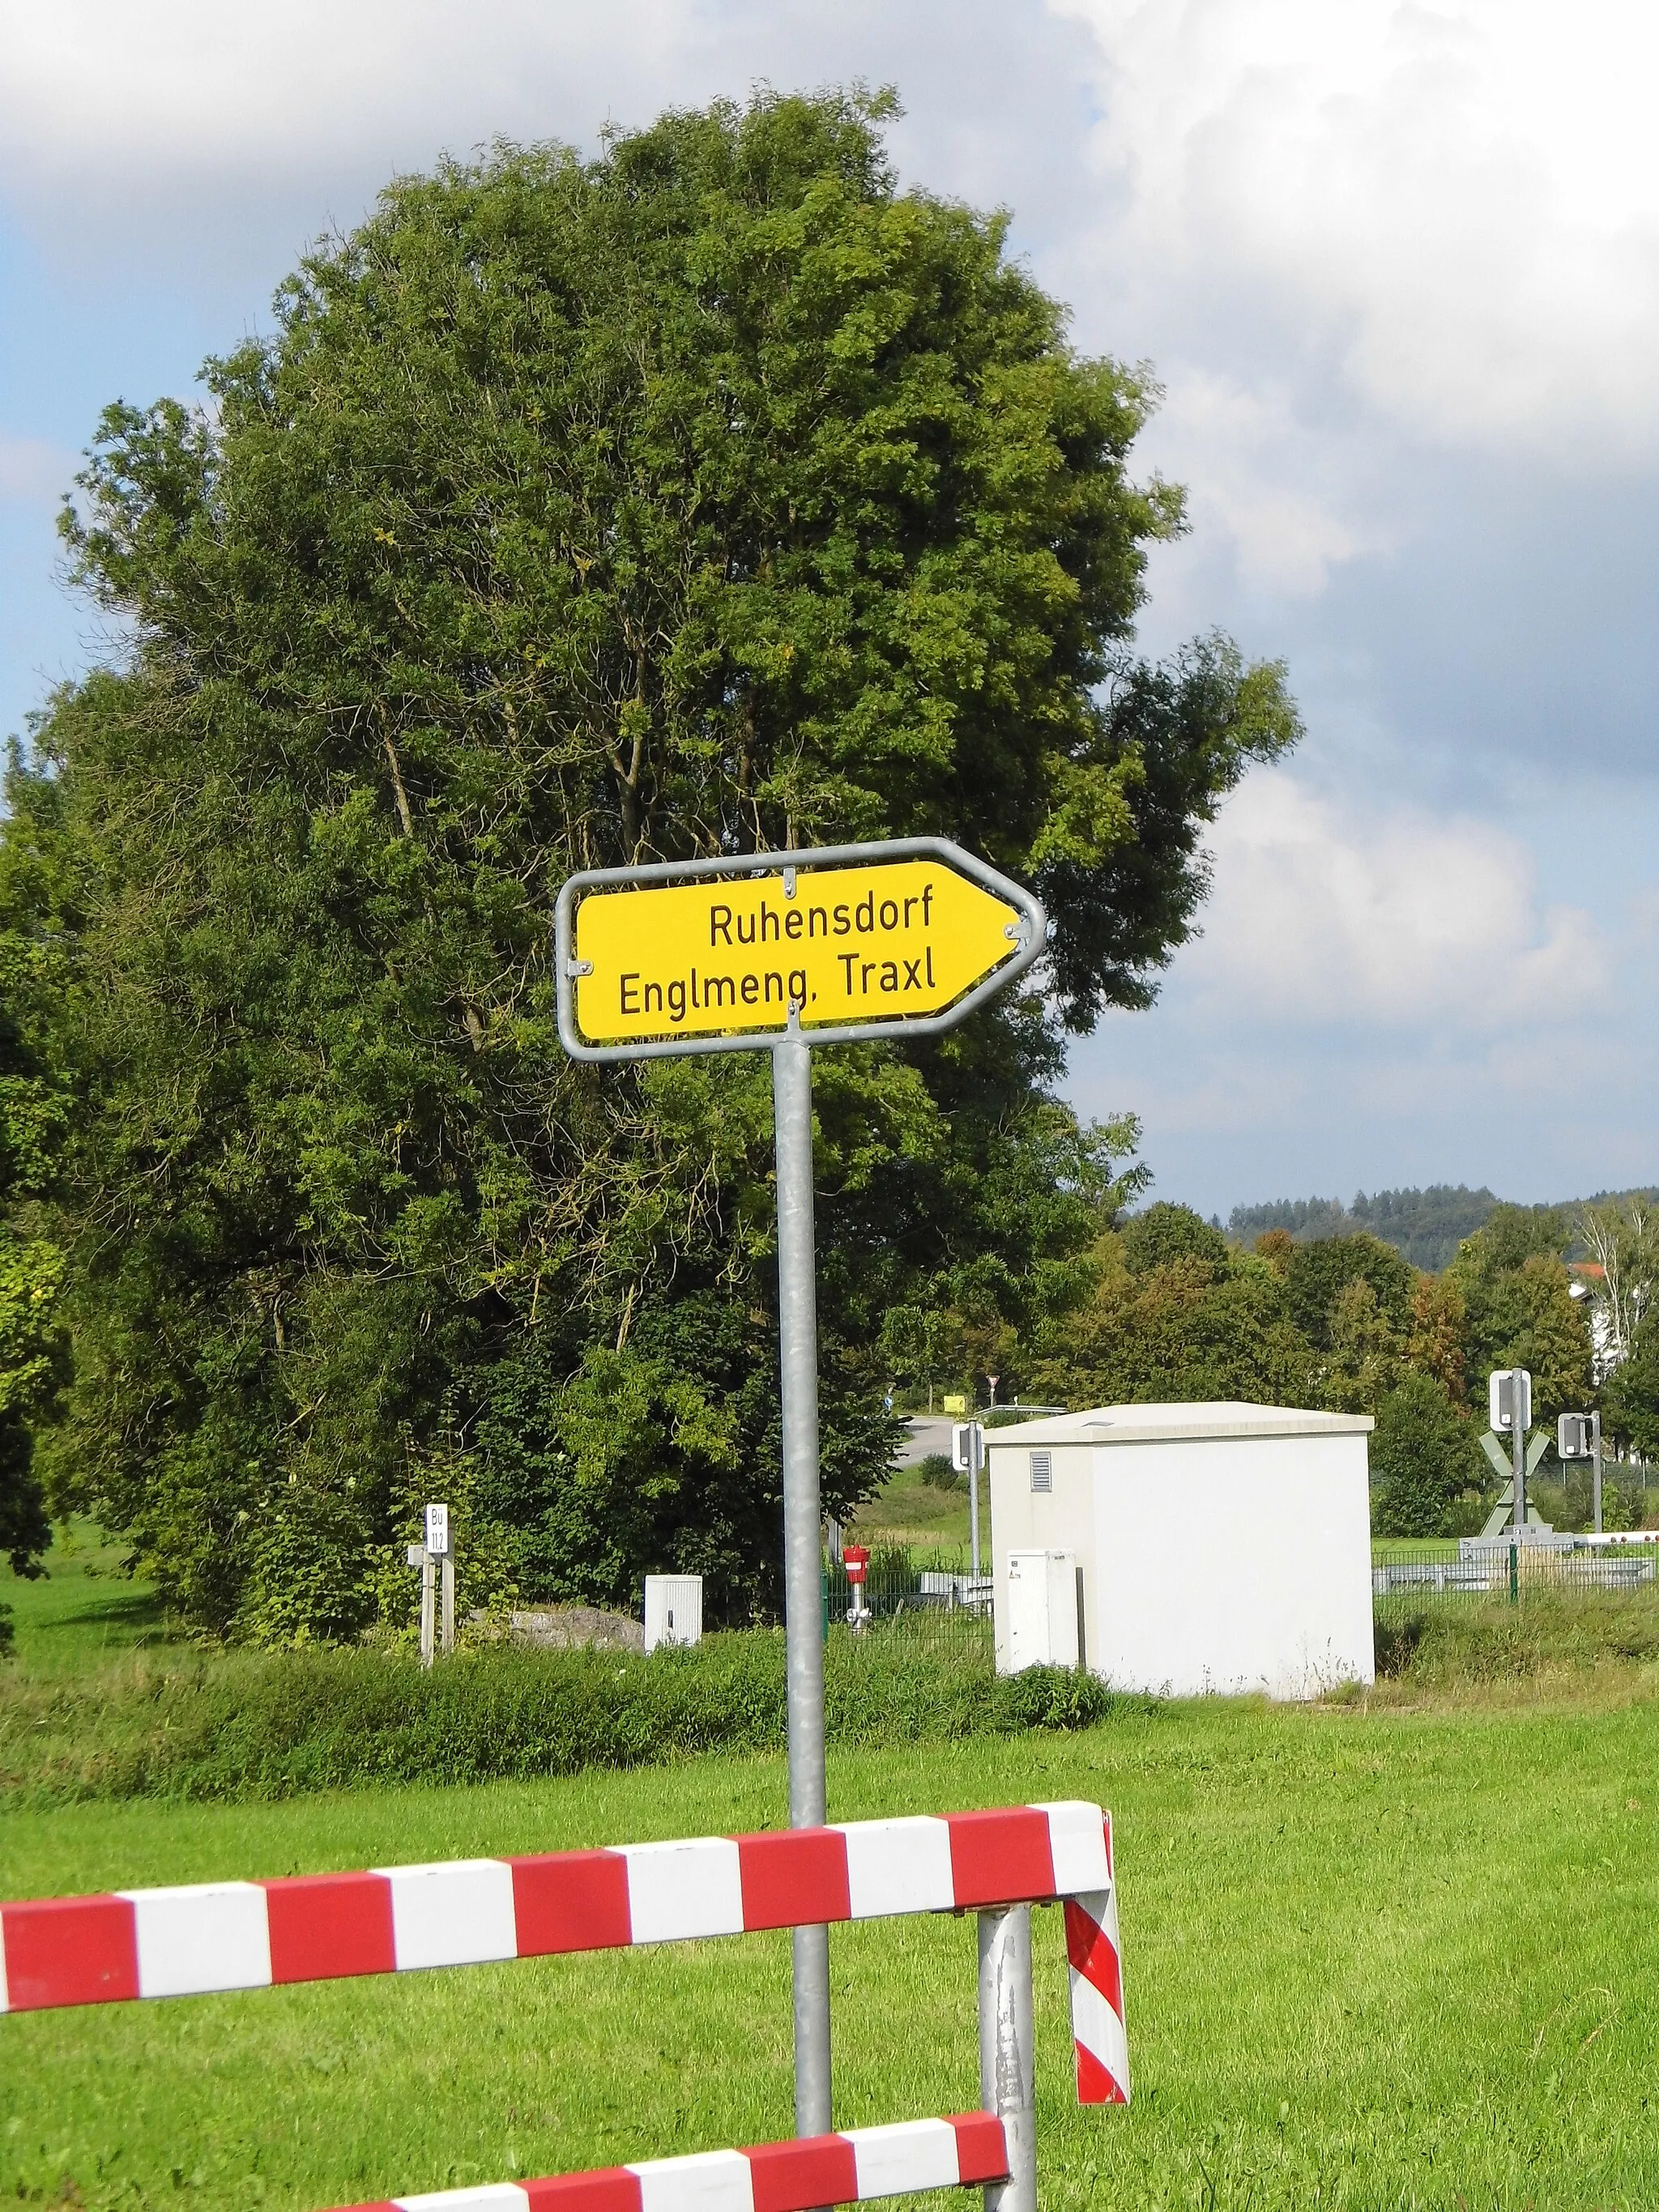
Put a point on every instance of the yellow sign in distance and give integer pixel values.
(718, 956)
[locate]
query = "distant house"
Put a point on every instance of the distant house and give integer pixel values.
(1590, 1282)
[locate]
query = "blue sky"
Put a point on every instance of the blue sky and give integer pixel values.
(1397, 268)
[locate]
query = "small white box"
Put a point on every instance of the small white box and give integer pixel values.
(673, 1609)
(1042, 1609)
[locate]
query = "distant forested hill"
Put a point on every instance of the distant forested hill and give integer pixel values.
(1426, 1225)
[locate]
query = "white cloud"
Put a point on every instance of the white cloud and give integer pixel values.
(195, 83)
(1402, 919)
(1457, 205)
(1285, 498)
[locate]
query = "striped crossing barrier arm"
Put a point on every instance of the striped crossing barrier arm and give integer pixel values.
(778, 2176)
(249, 1935)
(210, 1937)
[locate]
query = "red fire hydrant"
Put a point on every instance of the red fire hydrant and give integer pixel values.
(856, 1560)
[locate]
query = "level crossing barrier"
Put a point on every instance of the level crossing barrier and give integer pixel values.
(216, 1936)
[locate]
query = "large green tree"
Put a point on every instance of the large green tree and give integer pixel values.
(1174, 1315)
(1520, 1309)
(706, 496)
(1424, 1460)
(33, 1115)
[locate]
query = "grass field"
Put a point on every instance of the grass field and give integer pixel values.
(1371, 1959)
(83, 1610)
(907, 1510)
(1403, 1952)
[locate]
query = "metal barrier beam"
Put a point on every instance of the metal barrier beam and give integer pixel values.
(216, 1936)
(798, 2176)
(211, 1936)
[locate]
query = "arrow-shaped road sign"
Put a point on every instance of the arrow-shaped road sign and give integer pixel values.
(784, 951)
(714, 954)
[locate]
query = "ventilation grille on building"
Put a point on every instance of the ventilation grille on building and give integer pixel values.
(1042, 1471)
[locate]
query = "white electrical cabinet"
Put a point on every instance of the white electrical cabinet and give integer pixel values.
(673, 1609)
(1221, 1548)
(1042, 1610)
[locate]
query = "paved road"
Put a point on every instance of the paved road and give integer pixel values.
(929, 1433)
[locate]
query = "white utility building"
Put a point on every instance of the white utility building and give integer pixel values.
(1185, 1549)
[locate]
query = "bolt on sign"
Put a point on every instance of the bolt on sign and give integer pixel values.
(781, 952)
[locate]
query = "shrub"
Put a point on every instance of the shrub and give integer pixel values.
(937, 1471)
(243, 1725)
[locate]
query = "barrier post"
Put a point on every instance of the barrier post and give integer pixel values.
(1007, 2071)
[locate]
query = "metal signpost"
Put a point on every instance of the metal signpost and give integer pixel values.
(1508, 1405)
(780, 952)
(968, 1457)
(1578, 1436)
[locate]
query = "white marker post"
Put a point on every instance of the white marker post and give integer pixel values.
(780, 952)
(436, 1559)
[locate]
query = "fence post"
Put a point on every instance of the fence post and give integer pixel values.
(1007, 2080)
(1515, 1575)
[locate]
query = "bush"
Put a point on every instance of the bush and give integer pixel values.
(937, 1471)
(242, 1725)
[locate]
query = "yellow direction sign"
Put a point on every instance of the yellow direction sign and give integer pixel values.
(786, 952)
(727, 950)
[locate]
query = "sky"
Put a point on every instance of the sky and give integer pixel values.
(1396, 269)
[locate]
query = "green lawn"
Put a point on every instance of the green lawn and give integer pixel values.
(1373, 1959)
(907, 1510)
(83, 1610)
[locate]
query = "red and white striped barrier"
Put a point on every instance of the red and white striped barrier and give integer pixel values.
(250, 1935)
(778, 2176)
(1095, 1961)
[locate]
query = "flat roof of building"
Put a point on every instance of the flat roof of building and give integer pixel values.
(1178, 1424)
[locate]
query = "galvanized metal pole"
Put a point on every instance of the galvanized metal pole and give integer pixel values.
(1595, 1468)
(1007, 2057)
(798, 1334)
(1518, 1447)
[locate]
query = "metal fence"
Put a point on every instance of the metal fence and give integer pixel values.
(1469, 1568)
(926, 1596)
(930, 1598)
